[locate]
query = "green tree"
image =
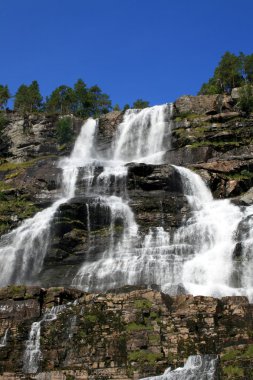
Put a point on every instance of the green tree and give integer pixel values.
(116, 107)
(28, 98)
(227, 74)
(210, 88)
(81, 98)
(62, 100)
(245, 102)
(4, 96)
(126, 107)
(140, 104)
(248, 66)
(64, 130)
(98, 103)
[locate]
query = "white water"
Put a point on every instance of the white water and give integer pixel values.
(140, 137)
(23, 250)
(196, 368)
(199, 255)
(3, 340)
(32, 355)
(211, 231)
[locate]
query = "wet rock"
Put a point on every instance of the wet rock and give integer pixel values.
(121, 334)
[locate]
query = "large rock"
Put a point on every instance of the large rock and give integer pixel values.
(124, 335)
(202, 104)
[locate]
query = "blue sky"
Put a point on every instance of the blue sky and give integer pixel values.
(151, 49)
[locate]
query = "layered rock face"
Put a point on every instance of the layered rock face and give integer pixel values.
(139, 333)
(124, 335)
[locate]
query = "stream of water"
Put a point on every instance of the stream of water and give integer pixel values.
(198, 257)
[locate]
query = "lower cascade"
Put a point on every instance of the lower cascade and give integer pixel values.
(196, 258)
(196, 367)
(32, 354)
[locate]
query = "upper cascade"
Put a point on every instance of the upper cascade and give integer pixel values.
(143, 135)
(197, 257)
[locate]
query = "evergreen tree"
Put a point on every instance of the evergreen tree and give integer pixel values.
(227, 74)
(81, 98)
(232, 71)
(4, 96)
(98, 102)
(126, 107)
(140, 104)
(28, 98)
(62, 100)
(116, 107)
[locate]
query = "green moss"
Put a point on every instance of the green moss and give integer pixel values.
(242, 175)
(187, 115)
(91, 318)
(18, 206)
(70, 377)
(9, 166)
(248, 353)
(154, 338)
(230, 355)
(143, 356)
(232, 371)
(142, 304)
(16, 291)
(137, 327)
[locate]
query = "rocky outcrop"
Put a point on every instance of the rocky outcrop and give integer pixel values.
(202, 104)
(124, 335)
(81, 228)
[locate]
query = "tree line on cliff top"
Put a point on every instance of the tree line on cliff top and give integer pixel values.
(81, 100)
(232, 71)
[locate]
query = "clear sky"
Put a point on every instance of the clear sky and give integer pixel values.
(151, 49)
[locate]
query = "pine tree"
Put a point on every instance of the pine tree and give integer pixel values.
(28, 98)
(62, 100)
(4, 96)
(140, 104)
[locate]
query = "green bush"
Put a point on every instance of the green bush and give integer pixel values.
(245, 102)
(3, 121)
(64, 130)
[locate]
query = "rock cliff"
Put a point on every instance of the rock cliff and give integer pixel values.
(125, 335)
(139, 332)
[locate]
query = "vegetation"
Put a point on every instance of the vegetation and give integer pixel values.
(246, 99)
(232, 71)
(4, 96)
(3, 121)
(28, 98)
(64, 130)
(140, 104)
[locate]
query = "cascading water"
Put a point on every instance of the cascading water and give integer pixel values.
(211, 232)
(32, 354)
(140, 137)
(197, 367)
(23, 250)
(198, 255)
(3, 340)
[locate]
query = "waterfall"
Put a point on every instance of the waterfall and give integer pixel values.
(197, 257)
(22, 251)
(196, 367)
(32, 355)
(140, 137)
(211, 232)
(3, 340)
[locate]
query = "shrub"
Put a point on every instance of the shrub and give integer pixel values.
(64, 130)
(245, 102)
